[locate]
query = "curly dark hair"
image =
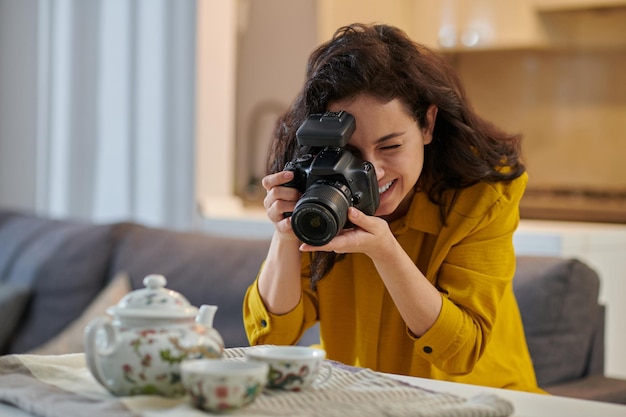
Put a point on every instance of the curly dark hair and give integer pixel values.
(383, 62)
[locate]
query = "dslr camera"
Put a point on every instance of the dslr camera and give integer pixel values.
(331, 179)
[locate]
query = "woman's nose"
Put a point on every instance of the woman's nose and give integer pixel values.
(380, 172)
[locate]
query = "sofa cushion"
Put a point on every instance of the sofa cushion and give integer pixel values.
(6, 215)
(64, 263)
(70, 340)
(13, 300)
(558, 300)
(206, 269)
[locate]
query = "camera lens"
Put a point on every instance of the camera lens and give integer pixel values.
(321, 212)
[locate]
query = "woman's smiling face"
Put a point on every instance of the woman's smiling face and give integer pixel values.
(391, 139)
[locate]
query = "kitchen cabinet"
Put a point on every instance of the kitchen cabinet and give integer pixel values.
(583, 23)
(332, 14)
(479, 24)
(561, 5)
(469, 25)
(445, 24)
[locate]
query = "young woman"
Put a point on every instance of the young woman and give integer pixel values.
(423, 287)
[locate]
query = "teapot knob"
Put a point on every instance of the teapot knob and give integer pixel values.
(154, 281)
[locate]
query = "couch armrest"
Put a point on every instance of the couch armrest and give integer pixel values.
(595, 387)
(558, 301)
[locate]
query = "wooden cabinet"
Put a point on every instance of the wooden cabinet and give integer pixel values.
(561, 5)
(478, 24)
(583, 23)
(445, 24)
(332, 14)
(467, 25)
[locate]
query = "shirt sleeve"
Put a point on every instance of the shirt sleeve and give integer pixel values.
(264, 327)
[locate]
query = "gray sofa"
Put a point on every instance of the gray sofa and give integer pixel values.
(52, 270)
(564, 324)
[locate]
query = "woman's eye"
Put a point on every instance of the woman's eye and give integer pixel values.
(390, 147)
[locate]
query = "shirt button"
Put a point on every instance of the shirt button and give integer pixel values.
(263, 323)
(427, 349)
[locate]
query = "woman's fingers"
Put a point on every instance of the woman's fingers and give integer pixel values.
(274, 180)
(365, 237)
(279, 200)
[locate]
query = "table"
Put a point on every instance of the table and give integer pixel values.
(525, 404)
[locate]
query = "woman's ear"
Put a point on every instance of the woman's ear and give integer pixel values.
(427, 131)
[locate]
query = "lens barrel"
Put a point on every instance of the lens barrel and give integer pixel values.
(321, 213)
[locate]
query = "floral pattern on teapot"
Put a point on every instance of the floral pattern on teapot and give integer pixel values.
(153, 330)
(139, 373)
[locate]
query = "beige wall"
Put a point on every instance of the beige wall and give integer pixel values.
(570, 105)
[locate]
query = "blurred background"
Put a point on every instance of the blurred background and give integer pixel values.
(161, 111)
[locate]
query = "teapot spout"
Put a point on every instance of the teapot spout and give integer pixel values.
(206, 315)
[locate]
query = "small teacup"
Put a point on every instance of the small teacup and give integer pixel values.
(219, 385)
(292, 368)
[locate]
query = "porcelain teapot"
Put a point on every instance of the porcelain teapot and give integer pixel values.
(139, 349)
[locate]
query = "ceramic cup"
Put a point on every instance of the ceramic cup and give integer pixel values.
(219, 385)
(292, 368)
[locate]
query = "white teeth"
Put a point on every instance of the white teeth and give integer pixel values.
(385, 187)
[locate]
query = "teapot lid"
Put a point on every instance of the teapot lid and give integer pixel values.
(154, 301)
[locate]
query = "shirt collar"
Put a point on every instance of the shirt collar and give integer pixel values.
(423, 215)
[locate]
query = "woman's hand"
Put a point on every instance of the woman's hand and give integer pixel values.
(280, 200)
(369, 236)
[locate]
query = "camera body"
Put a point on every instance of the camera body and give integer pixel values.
(330, 180)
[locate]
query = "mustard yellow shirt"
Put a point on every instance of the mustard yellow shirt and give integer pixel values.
(478, 337)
